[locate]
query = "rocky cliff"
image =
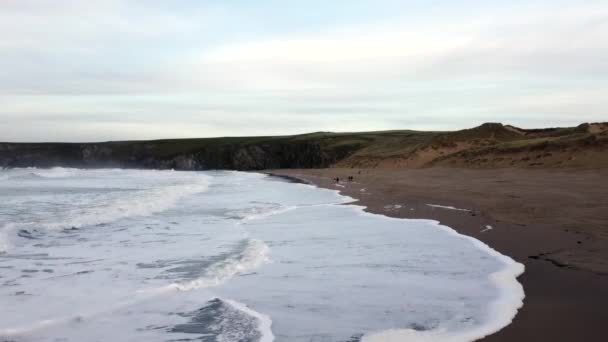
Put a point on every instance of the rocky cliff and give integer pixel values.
(490, 145)
(187, 154)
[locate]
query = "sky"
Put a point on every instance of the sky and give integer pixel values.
(134, 69)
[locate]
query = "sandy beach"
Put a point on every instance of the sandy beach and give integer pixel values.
(555, 222)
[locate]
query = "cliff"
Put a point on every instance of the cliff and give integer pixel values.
(185, 154)
(490, 145)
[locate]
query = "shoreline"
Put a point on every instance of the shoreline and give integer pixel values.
(565, 281)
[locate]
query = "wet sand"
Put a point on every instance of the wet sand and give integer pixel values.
(555, 222)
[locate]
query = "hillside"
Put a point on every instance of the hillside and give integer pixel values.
(491, 145)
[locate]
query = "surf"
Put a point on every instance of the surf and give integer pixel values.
(162, 255)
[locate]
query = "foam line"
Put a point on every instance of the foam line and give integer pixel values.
(501, 311)
(265, 323)
(446, 207)
(154, 198)
(252, 257)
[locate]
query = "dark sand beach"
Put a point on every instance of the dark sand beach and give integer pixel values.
(554, 221)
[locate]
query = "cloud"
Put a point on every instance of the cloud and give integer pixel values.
(563, 42)
(153, 70)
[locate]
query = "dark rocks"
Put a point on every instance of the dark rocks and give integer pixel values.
(195, 154)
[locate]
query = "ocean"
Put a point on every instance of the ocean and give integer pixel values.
(144, 255)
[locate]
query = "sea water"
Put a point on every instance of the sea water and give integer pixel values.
(142, 255)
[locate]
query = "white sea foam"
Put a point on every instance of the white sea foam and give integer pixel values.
(393, 207)
(153, 192)
(265, 323)
(10, 333)
(4, 243)
(140, 203)
(37, 174)
(260, 211)
(501, 311)
(57, 172)
(446, 207)
(500, 314)
(253, 256)
(140, 272)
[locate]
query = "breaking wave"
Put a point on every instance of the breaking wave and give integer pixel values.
(226, 320)
(260, 211)
(338, 271)
(251, 256)
(141, 193)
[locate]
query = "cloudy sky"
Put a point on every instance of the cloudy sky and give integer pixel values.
(140, 69)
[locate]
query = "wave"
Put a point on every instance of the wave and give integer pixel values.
(261, 211)
(253, 255)
(4, 241)
(264, 322)
(32, 173)
(25, 176)
(138, 203)
(141, 193)
(9, 334)
(502, 310)
(226, 320)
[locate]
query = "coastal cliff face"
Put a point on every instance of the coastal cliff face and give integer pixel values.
(176, 155)
(490, 145)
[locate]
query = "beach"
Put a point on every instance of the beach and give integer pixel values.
(551, 220)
